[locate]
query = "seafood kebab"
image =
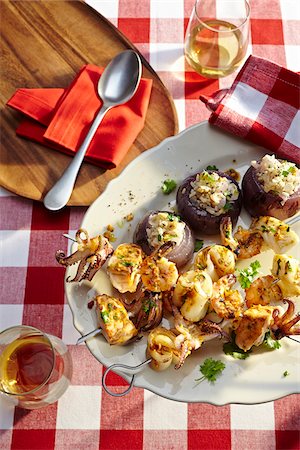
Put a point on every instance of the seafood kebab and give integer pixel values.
(198, 292)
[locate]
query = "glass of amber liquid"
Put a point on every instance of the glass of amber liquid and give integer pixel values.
(35, 368)
(217, 36)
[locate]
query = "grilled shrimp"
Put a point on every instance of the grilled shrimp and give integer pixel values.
(216, 260)
(245, 243)
(226, 302)
(157, 272)
(124, 267)
(264, 233)
(263, 291)
(287, 269)
(192, 293)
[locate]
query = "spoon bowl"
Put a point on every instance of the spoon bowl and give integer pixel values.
(116, 86)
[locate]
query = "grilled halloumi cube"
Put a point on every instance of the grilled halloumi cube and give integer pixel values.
(113, 318)
(124, 267)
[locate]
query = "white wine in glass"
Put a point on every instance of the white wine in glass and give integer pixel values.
(216, 47)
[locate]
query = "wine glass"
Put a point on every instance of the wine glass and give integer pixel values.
(217, 36)
(35, 368)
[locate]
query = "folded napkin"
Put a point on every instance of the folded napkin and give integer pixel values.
(61, 118)
(263, 105)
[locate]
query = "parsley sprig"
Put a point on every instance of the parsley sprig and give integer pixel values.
(168, 186)
(211, 369)
(270, 343)
(246, 276)
(230, 348)
(198, 245)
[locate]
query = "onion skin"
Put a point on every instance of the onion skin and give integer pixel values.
(260, 203)
(199, 219)
(180, 255)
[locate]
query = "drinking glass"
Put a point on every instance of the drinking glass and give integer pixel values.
(35, 368)
(217, 36)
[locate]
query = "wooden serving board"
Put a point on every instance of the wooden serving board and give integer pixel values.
(44, 44)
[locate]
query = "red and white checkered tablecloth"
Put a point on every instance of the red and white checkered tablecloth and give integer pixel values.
(32, 284)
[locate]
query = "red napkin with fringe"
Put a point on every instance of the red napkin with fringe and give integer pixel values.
(61, 118)
(263, 105)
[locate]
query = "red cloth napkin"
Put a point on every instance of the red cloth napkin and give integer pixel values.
(263, 106)
(61, 118)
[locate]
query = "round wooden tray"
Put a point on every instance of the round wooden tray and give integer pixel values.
(44, 44)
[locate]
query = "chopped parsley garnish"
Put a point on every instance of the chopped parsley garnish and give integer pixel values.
(168, 186)
(148, 304)
(172, 217)
(230, 348)
(159, 237)
(105, 316)
(211, 369)
(286, 172)
(270, 343)
(211, 168)
(286, 373)
(227, 206)
(265, 229)
(246, 276)
(198, 245)
(127, 264)
(289, 266)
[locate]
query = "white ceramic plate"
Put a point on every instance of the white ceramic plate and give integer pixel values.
(137, 190)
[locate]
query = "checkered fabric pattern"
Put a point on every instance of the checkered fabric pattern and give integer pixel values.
(32, 291)
(263, 106)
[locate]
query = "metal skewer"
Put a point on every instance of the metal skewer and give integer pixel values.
(69, 237)
(293, 220)
(89, 335)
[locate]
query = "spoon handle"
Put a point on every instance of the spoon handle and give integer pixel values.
(60, 193)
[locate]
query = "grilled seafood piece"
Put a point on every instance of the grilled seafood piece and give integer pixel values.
(284, 324)
(157, 272)
(191, 335)
(264, 233)
(226, 302)
(191, 294)
(277, 235)
(124, 267)
(263, 291)
(114, 321)
(91, 255)
(216, 260)
(258, 319)
(253, 326)
(161, 348)
(287, 269)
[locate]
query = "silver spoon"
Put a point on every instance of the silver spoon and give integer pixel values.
(116, 86)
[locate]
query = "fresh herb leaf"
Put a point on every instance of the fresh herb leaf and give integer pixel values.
(211, 168)
(172, 217)
(198, 245)
(286, 373)
(246, 276)
(230, 348)
(211, 369)
(285, 173)
(270, 343)
(168, 186)
(227, 206)
(105, 316)
(127, 264)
